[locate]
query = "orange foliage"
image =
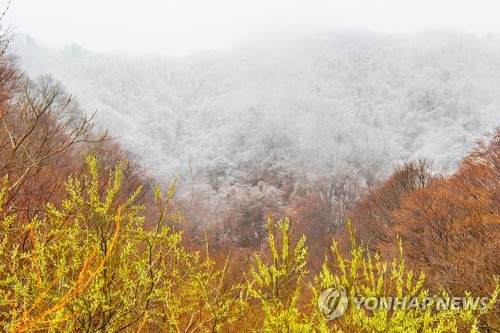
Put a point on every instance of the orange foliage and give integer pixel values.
(450, 226)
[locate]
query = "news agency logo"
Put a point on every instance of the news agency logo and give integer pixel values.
(332, 302)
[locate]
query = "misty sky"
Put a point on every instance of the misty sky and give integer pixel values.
(185, 26)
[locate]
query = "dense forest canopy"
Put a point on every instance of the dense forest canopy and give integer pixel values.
(383, 149)
(331, 102)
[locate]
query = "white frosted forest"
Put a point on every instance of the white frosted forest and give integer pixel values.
(294, 105)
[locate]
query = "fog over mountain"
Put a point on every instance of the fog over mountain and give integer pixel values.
(312, 103)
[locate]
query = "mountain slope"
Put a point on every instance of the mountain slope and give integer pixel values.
(321, 103)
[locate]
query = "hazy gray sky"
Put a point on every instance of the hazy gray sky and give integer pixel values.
(184, 26)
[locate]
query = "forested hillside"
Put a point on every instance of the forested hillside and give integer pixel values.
(261, 128)
(262, 154)
(324, 103)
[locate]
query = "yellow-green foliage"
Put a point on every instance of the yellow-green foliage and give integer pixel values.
(277, 284)
(364, 275)
(72, 269)
(90, 265)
